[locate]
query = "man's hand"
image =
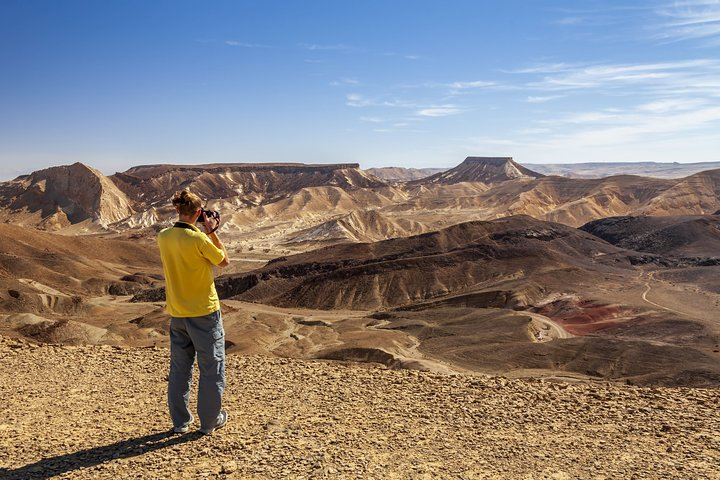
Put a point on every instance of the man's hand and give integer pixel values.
(210, 224)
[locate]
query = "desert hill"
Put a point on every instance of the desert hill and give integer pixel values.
(58, 197)
(42, 272)
(482, 169)
(688, 235)
(359, 226)
(514, 294)
(608, 169)
(577, 201)
(402, 174)
(313, 419)
(405, 270)
(698, 194)
(268, 206)
(243, 184)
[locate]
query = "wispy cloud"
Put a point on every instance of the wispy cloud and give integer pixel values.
(235, 43)
(671, 105)
(372, 119)
(690, 19)
(547, 98)
(667, 77)
(320, 47)
(400, 55)
(357, 100)
(570, 21)
(345, 82)
(633, 127)
(439, 111)
(470, 85)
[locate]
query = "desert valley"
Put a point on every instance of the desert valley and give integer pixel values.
(488, 267)
(480, 322)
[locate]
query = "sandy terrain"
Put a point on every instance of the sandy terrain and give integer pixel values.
(99, 412)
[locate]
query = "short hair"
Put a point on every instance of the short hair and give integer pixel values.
(186, 203)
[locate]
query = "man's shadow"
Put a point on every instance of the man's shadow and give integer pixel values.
(91, 457)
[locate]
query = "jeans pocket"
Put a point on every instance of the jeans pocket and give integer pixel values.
(218, 333)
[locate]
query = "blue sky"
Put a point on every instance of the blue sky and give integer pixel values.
(413, 83)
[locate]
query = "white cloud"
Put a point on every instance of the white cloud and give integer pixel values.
(372, 119)
(668, 105)
(357, 100)
(234, 43)
(690, 19)
(335, 47)
(345, 82)
(406, 57)
(666, 77)
(439, 111)
(547, 98)
(570, 21)
(533, 131)
(473, 84)
(634, 127)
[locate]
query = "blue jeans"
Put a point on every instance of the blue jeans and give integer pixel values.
(205, 337)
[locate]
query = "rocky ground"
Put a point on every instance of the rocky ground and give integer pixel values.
(99, 412)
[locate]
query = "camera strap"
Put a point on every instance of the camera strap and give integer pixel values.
(188, 227)
(183, 225)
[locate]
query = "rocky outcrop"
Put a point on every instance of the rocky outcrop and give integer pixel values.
(56, 197)
(684, 235)
(242, 183)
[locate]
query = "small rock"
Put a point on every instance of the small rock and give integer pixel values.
(229, 467)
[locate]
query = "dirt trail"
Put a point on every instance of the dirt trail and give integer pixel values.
(100, 413)
(545, 329)
(648, 287)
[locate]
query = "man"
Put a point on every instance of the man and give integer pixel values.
(196, 327)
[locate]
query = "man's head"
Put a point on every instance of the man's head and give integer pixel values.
(188, 205)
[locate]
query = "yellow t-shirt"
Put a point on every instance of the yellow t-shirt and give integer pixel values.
(188, 256)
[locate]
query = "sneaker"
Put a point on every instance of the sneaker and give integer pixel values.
(220, 422)
(184, 428)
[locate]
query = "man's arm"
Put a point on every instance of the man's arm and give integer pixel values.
(211, 227)
(216, 241)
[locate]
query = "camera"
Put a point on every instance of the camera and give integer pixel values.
(210, 214)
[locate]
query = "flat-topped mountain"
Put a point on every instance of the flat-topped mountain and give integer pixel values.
(483, 169)
(57, 197)
(277, 203)
(244, 183)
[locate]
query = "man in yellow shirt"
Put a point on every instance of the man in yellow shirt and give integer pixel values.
(196, 328)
